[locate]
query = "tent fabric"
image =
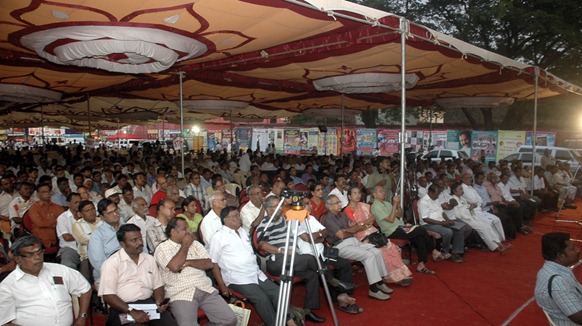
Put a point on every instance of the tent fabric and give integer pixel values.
(115, 62)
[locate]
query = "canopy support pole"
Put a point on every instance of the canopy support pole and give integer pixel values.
(231, 134)
(342, 132)
(118, 131)
(89, 115)
(404, 26)
(430, 131)
(42, 123)
(535, 128)
(182, 138)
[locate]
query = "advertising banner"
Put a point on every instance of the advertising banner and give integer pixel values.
(365, 141)
(484, 144)
(388, 142)
(543, 138)
(328, 142)
(243, 138)
(349, 141)
(509, 142)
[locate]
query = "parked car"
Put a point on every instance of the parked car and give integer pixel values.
(561, 154)
(445, 154)
(525, 158)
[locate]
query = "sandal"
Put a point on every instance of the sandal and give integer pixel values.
(351, 309)
(440, 257)
(425, 270)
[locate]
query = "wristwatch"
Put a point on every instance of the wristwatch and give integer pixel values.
(129, 310)
(83, 315)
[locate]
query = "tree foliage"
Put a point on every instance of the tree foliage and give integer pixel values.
(544, 33)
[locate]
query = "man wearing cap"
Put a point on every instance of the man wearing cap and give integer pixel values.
(113, 195)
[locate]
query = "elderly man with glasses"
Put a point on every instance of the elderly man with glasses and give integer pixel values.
(38, 293)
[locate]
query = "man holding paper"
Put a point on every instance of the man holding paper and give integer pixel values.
(132, 285)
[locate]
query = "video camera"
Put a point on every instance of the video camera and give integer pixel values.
(296, 197)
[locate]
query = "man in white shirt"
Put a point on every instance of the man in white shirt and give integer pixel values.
(124, 205)
(340, 190)
(235, 266)
(252, 209)
(141, 188)
(244, 162)
(6, 196)
(68, 251)
(141, 217)
(19, 205)
(38, 293)
(194, 188)
(211, 222)
(433, 218)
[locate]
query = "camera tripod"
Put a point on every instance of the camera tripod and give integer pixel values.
(294, 217)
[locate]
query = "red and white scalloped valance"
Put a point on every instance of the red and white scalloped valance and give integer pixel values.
(122, 49)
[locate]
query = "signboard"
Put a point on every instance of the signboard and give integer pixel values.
(509, 142)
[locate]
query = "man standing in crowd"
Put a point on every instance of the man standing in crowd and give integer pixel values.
(43, 215)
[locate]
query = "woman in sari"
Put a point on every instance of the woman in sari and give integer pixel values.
(360, 212)
(317, 202)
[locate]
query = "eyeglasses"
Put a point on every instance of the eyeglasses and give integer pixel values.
(32, 254)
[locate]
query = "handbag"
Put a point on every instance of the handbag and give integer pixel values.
(378, 239)
(242, 314)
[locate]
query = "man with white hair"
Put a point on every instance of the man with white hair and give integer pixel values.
(211, 223)
(141, 217)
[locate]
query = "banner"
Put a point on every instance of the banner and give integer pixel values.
(328, 142)
(414, 138)
(437, 138)
(214, 139)
(349, 141)
(484, 144)
(313, 140)
(226, 140)
(366, 141)
(543, 138)
(279, 141)
(388, 142)
(262, 138)
(509, 142)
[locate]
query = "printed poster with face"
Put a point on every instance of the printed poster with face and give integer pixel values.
(484, 145)
(509, 142)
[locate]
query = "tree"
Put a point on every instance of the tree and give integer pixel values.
(543, 33)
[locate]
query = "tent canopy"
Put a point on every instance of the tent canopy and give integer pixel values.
(111, 63)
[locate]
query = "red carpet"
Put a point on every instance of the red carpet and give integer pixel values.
(485, 290)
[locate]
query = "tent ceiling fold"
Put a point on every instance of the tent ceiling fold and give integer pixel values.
(267, 53)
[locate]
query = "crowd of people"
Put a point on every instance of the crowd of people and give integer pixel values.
(140, 231)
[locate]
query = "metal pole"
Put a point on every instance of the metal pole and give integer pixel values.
(404, 25)
(430, 130)
(118, 141)
(342, 132)
(535, 127)
(182, 138)
(231, 134)
(89, 115)
(42, 123)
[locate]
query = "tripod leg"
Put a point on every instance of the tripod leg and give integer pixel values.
(321, 272)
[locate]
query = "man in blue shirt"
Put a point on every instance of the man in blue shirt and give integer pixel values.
(557, 291)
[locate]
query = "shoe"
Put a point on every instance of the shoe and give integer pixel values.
(384, 288)
(378, 295)
(346, 286)
(314, 318)
(405, 282)
(456, 258)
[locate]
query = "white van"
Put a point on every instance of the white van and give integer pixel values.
(561, 154)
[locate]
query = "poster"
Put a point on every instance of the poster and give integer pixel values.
(243, 138)
(484, 145)
(226, 139)
(348, 141)
(328, 142)
(388, 142)
(543, 138)
(366, 141)
(460, 140)
(278, 140)
(435, 139)
(293, 141)
(509, 142)
(414, 139)
(261, 138)
(214, 139)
